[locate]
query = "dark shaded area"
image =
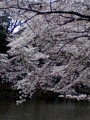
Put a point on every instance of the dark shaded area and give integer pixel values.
(3, 42)
(41, 62)
(6, 91)
(45, 95)
(4, 31)
(82, 88)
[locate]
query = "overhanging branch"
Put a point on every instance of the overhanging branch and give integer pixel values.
(38, 12)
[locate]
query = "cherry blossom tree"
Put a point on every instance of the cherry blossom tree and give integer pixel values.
(51, 50)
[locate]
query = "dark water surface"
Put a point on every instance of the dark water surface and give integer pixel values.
(41, 110)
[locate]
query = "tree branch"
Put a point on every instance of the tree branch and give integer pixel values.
(86, 17)
(73, 39)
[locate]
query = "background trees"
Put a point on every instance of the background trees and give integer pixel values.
(4, 30)
(51, 52)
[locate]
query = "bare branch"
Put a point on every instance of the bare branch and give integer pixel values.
(71, 40)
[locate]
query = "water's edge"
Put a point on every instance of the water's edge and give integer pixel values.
(6, 91)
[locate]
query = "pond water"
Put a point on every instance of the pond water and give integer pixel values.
(43, 110)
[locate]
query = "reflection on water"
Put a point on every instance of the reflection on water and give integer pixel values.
(41, 110)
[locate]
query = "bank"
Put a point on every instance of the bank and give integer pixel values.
(7, 92)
